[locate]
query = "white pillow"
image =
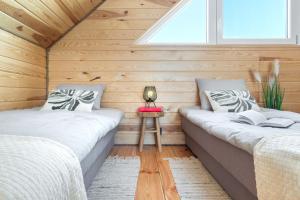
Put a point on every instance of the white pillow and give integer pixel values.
(71, 100)
(217, 84)
(231, 100)
(97, 87)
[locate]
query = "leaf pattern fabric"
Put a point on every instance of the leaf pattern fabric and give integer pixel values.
(232, 100)
(71, 100)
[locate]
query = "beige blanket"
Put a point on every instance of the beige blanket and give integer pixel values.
(277, 168)
(34, 168)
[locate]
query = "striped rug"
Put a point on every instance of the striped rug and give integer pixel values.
(116, 180)
(193, 182)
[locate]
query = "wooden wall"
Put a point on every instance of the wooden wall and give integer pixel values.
(101, 50)
(22, 73)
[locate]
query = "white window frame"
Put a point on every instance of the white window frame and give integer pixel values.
(292, 36)
(214, 35)
(212, 22)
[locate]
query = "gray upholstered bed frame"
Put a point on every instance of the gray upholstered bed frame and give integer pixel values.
(232, 167)
(94, 160)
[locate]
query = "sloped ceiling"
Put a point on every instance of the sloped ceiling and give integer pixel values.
(43, 21)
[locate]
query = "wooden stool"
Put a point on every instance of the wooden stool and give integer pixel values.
(156, 129)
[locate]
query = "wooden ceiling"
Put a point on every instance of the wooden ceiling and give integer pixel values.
(43, 21)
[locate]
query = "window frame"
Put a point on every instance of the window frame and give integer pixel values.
(146, 37)
(292, 36)
(214, 27)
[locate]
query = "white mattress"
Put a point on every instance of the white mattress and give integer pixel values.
(79, 131)
(240, 135)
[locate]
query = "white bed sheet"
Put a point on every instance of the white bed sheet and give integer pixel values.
(79, 131)
(240, 135)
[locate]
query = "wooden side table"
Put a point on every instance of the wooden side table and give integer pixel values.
(156, 129)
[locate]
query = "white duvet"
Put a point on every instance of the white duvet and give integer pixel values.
(240, 135)
(79, 131)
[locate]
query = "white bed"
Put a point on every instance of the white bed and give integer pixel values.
(228, 148)
(79, 131)
(89, 135)
(240, 135)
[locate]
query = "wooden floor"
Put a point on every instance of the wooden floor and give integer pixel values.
(155, 180)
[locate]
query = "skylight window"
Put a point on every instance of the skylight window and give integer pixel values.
(255, 19)
(257, 22)
(185, 24)
(226, 22)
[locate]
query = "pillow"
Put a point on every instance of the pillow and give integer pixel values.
(71, 100)
(99, 88)
(213, 84)
(231, 100)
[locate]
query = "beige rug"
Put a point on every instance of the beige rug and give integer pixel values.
(193, 181)
(116, 180)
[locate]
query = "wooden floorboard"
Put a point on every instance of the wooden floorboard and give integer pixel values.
(168, 184)
(155, 181)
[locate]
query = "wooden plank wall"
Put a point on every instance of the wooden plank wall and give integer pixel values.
(43, 22)
(22, 73)
(101, 50)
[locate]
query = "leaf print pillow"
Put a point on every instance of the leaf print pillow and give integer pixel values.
(231, 100)
(71, 100)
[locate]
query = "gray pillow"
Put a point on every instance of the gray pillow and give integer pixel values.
(99, 88)
(213, 84)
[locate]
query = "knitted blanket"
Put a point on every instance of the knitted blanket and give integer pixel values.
(277, 168)
(34, 168)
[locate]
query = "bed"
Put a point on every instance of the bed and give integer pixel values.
(226, 147)
(90, 135)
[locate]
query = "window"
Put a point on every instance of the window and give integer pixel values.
(185, 24)
(226, 22)
(255, 21)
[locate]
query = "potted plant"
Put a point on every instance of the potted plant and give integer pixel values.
(273, 94)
